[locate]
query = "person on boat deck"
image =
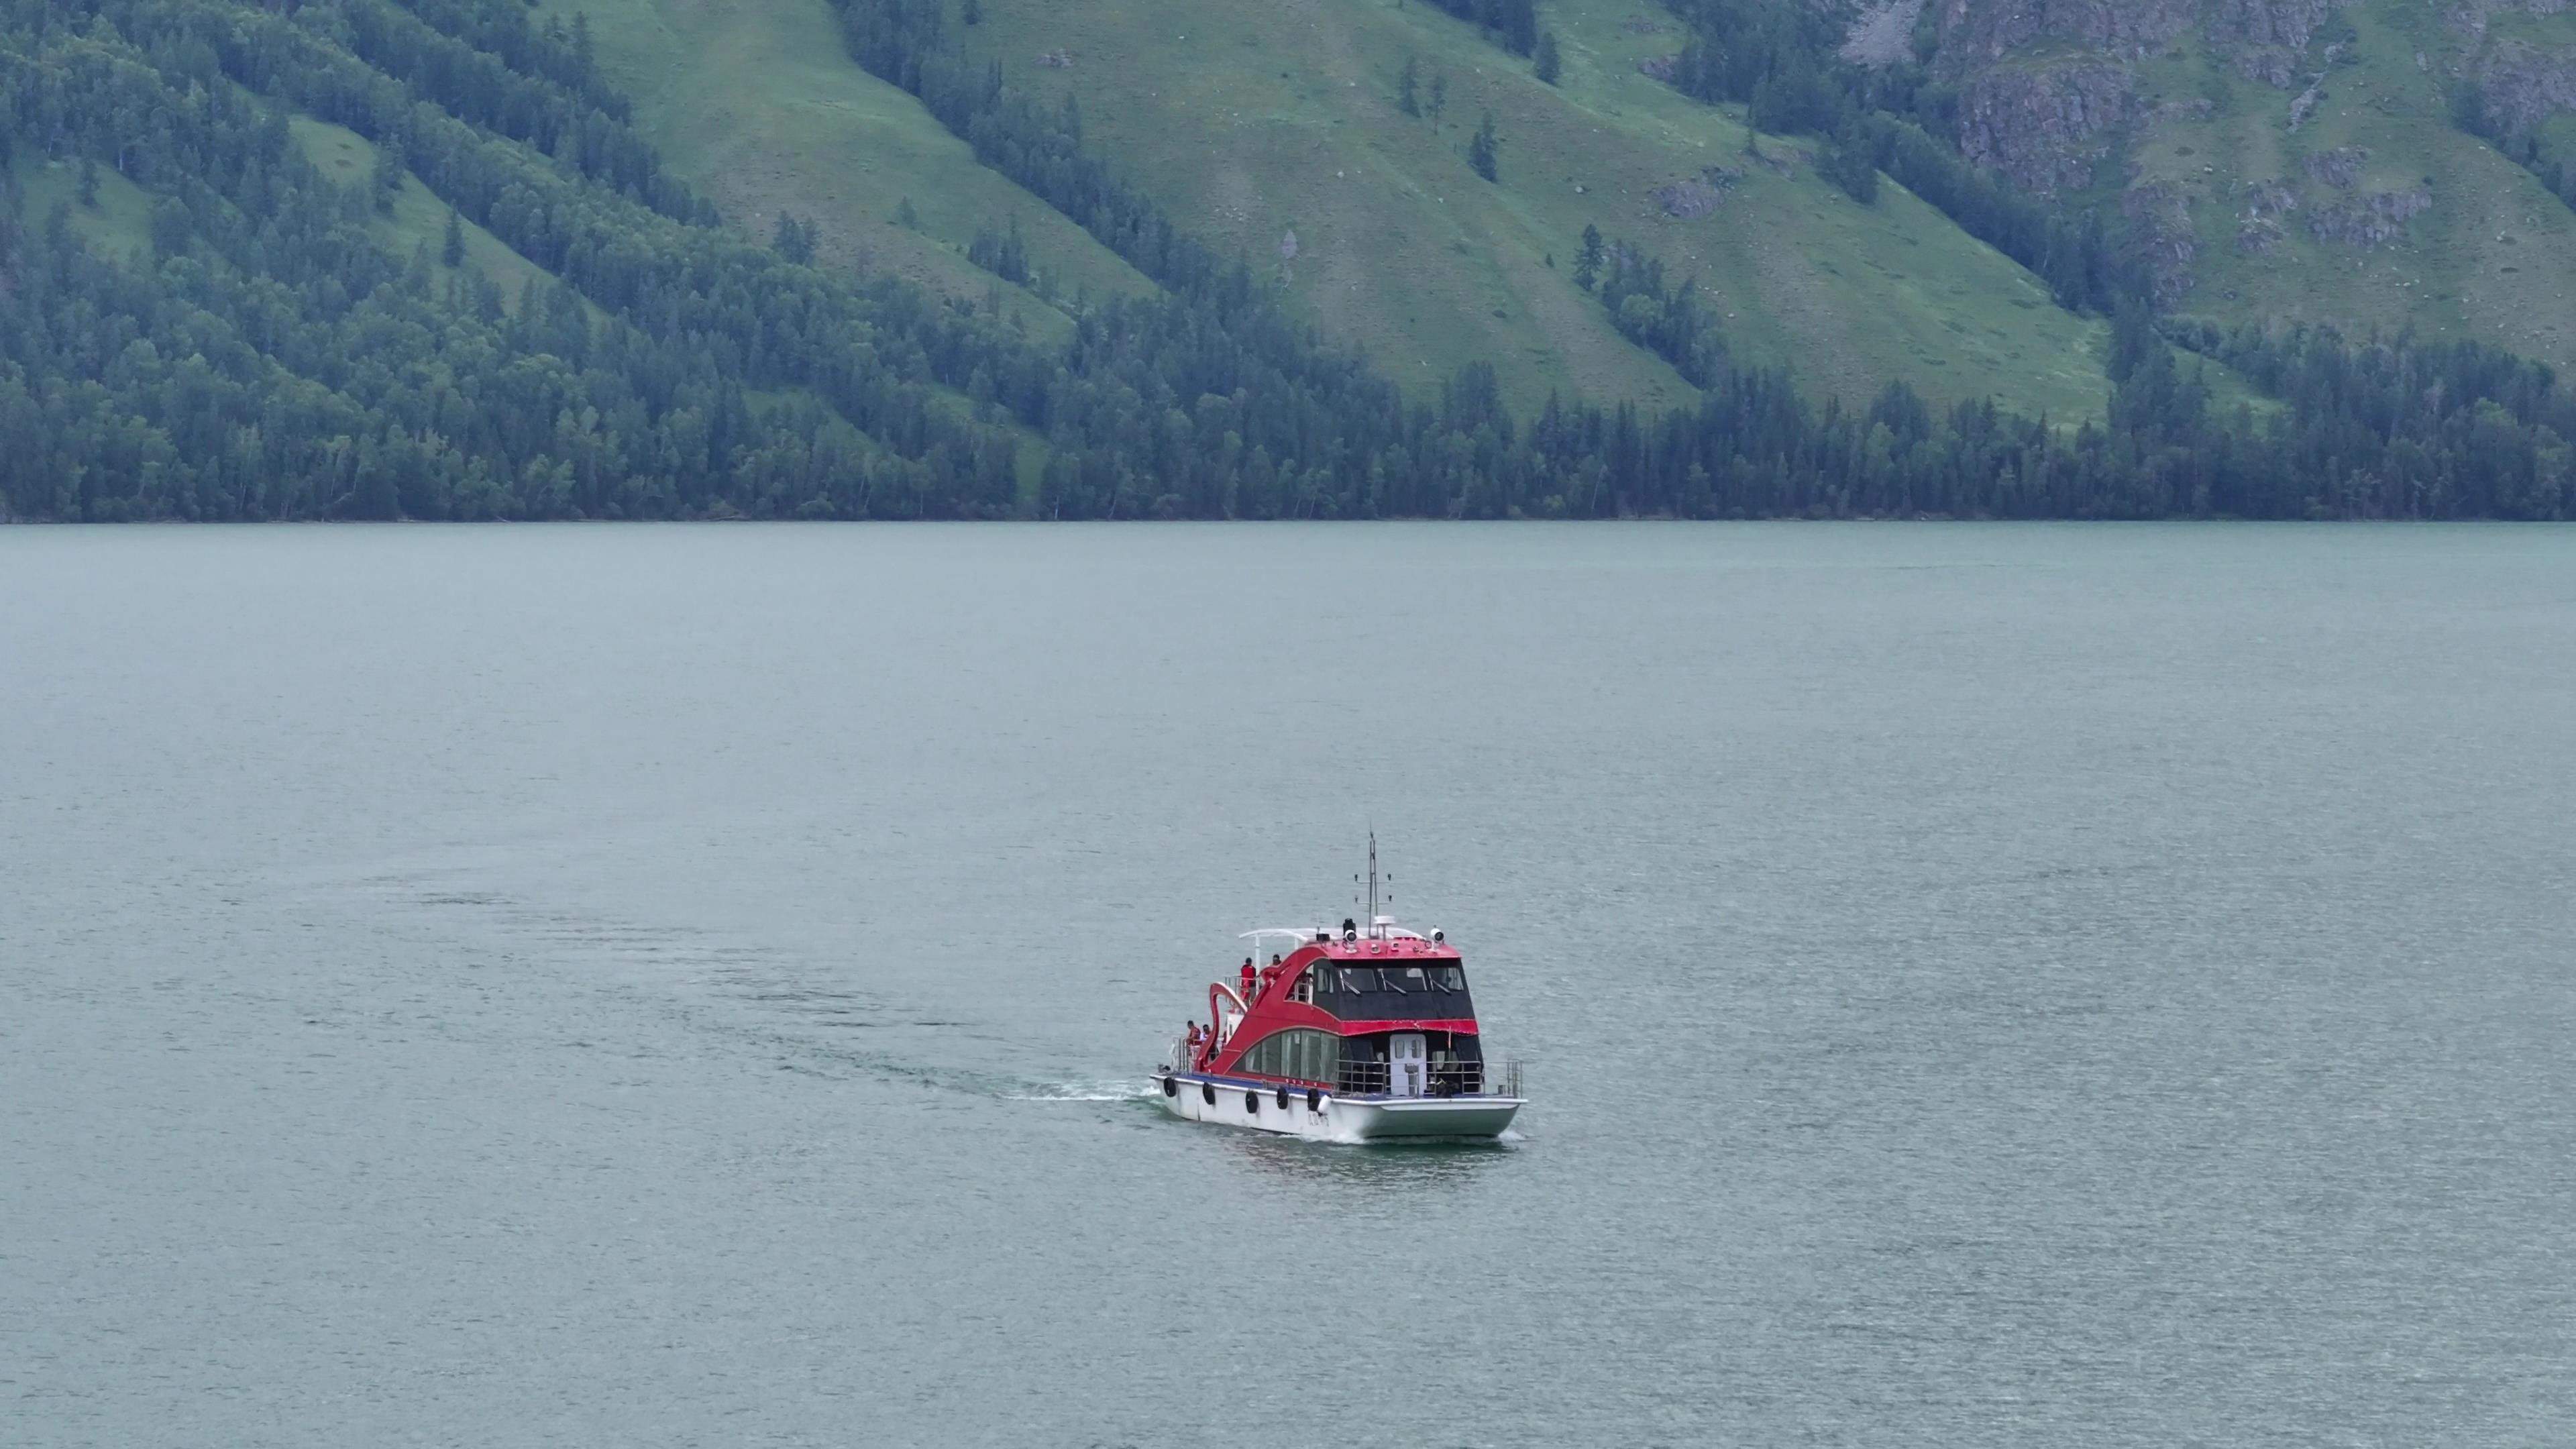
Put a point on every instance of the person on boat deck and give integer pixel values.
(1195, 1038)
(1247, 980)
(1270, 973)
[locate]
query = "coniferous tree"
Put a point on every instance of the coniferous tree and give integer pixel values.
(1405, 80)
(87, 183)
(1587, 260)
(1848, 164)
(1482, 146)
(793, 238)
(1546, 63)
(451, 248)
(384, 181)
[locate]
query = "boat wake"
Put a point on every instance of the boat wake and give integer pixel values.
(1116, 1090)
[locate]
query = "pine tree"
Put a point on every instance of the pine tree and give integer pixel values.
(88, 183)
(1587, 262)
(451, 250)
(1547, 63)
(793, 239)
(1439, 95)
(1405, 80)
(972, 12)
(1849, 164)
(1481, 149)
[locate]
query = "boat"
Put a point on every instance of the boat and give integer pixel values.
(1365, 1034)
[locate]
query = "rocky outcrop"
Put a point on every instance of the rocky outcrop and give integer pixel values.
(2046, 126)
(2284, 23)
(2369, 220)
(2161, 237)
(1695, 196)
(2525, 86)
(2258, 226)
(1981, 32)
(2046, 85)
(2267, 40)
(2340, 167)
(1883, 33)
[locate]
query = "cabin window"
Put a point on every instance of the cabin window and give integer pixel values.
(1299, 1052)
(1304, 990)
(1433, 990)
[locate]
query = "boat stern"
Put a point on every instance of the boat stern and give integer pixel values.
(1392, 1119)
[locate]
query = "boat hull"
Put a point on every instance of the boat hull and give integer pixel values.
(1256, 1106)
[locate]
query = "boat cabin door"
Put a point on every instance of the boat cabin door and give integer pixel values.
(1408, 1066)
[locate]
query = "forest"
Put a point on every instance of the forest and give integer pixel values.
(262, 354)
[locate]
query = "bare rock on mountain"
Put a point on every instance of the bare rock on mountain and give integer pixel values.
(2258, 227)
(2284, 23)
(2046, 126)
(1883, 33)
(1693, 197)
(2370, 220)
(2161, 236)
(2525, 86)
(1979, 32)
(2276, 66)
(2306, 102)
(2340, 167)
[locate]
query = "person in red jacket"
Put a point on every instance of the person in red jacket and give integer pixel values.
(1248, 974)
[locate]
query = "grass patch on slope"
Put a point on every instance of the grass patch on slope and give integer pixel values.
(760, 108)
(119, 224)
(419, 218)
(1253, 121)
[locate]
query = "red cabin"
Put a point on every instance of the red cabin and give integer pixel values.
(1375, 1011)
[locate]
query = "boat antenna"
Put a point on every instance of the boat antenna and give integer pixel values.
(1372, 880)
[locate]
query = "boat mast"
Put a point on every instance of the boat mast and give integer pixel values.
(1372, 915)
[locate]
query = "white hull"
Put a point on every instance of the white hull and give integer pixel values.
(1239, 1103)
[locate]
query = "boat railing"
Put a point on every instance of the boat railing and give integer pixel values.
(1440, 1079)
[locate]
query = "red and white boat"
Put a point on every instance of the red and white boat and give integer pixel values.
(1362, 1035)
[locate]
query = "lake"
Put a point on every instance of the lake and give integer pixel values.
(1978, 985)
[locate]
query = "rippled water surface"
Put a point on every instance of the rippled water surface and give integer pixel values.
(1979, 986)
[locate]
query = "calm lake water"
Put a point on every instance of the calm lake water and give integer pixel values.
(1980, 986)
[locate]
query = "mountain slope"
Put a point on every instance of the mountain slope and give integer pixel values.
(758, 106)
(256, 262)
(1251, 122)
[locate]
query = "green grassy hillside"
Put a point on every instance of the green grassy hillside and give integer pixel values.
(1253, 121)
(117, 223)
(760, 109)
(235, 304)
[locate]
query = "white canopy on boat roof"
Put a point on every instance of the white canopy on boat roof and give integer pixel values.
(1382, 928)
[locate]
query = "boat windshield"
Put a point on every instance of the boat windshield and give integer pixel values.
(1368, 993)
